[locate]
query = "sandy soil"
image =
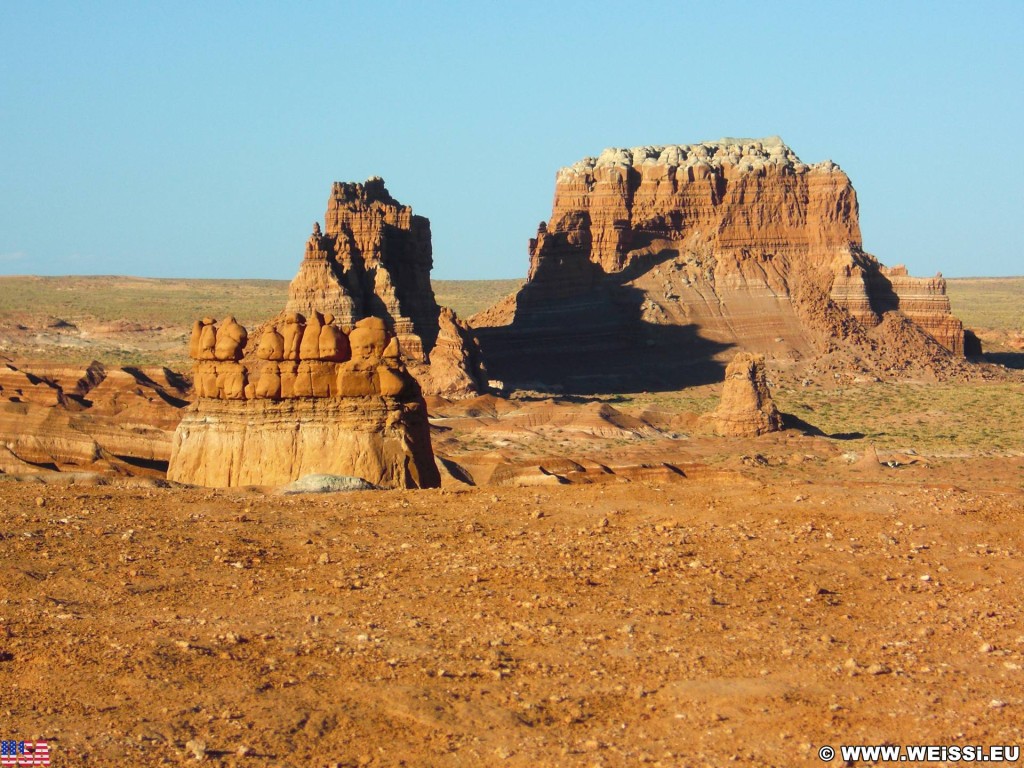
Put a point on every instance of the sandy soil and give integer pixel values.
(744, 616)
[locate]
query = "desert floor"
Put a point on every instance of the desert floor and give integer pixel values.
(747, 615)
(775, 596)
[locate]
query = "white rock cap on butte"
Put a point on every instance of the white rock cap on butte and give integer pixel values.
(747, 154)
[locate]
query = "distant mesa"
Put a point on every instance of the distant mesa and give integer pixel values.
(333, 384)
(659, 263)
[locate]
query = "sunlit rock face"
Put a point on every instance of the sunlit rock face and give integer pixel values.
(373, 259)
(673, 257)
(314, 399)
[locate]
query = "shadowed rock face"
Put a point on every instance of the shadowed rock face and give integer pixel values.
(681, 254)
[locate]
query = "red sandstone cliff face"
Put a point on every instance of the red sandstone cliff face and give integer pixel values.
(373, 258)
(869, 290)
(735, 243)
(728, 195)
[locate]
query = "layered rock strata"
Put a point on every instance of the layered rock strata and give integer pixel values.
(58, 417)
(659, 261)
(334, 383)
(225, 443)
(372, 259)
(313, 399)
(868, 290)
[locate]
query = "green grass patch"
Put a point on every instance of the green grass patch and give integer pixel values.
(467, 297)
(177, 303)
(933, 419)
(151, 302)
(995, 303)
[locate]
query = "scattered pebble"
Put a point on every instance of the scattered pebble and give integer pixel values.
(197, 748)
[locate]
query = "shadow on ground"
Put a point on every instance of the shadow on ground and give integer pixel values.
(1014, 360)
(789, 421)
(595, 341)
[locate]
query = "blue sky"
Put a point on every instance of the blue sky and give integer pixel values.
(200, 139)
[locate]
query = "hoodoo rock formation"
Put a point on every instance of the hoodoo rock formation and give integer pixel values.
(334, 383)
(660, 262)
(746, 408)
(316, 400)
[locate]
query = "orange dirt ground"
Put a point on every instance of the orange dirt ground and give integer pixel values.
(745, 615)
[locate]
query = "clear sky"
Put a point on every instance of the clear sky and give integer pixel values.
(199, 139)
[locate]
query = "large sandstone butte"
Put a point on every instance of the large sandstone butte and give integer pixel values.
(373, 259)
(659, 263)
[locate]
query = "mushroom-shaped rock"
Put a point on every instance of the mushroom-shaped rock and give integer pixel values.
(271, 346)
(368, 339)
(334, 344)
(231, 339)
(208, 340)
(194, 344)
(291, 331)
(309, 349)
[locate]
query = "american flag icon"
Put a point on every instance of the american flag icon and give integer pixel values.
(19, 753)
